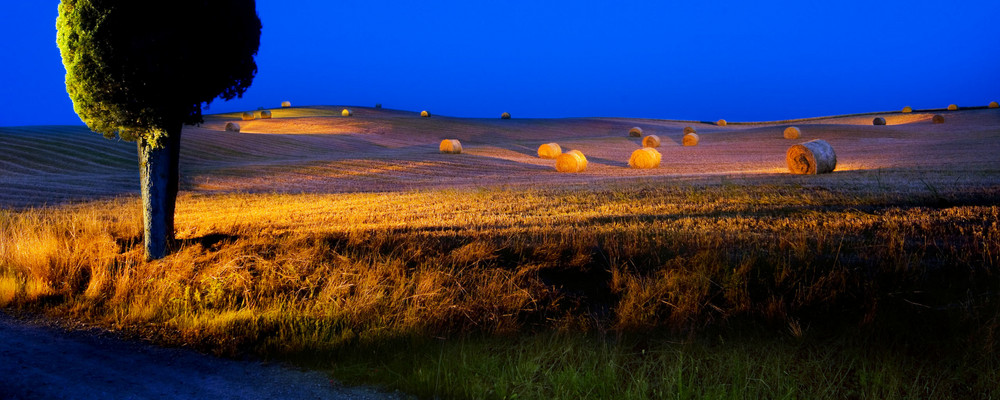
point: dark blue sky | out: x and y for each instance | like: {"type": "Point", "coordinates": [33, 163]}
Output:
{"type": "Point", "coordinates": [701, 60]}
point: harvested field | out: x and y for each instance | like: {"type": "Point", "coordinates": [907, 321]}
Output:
{"type": "Point", "coordinates": [280, 258]}
{"type": "Point", "coordinates": [314, 150]}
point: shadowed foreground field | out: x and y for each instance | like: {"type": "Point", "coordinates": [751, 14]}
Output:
{"type": "Point", "coordinates": [350, 244]}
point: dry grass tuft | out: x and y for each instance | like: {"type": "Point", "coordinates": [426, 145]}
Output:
{"type": "Point", "coordinates": [907, 109]}
{"type": "Point", "coordinates": [450, 146]}
{"type": "Point", "coordinates": [346, 113]}
{"type": "Point", "coordinates": [248, 116]}
{"type": "Point", "coordinates": [635, 132]}
{"type": "Point", "coordinates": [878, 121]}
{"type": "Point", "coordinates": [10, 288]}
{"type": "Point", "coordinates": [937, 119]}
{"type": "Point", "coordinates": [286, 104]}
{"type": "Point", "coordinates": [952, 107]}
{"type": "Point", "coordinates": [425, 114]}
{"type": "Point", "coordinates": [721, 122]}
{"type": "Point", "coordinates": [690, 139]}
{"type": "Point", "coordinates": [571, 161]}
{"type": "Point", "coordinates": [549, 150]}
{"type": "Point", "coordinates": [810, 158]}
{"type": "Point", "coordinates": [232, 127]}
{"type": "Point", "coordinates": [792, 132]}
{"type": "Point", "coordinates": [505, 115]}
{"type": "Point", "coordinates": [651, 141]}
{"type": "Point", "coordinates": [645, 158]}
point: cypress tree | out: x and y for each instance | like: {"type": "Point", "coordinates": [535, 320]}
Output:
{"type": "Point", "coordinates": [140, 71]}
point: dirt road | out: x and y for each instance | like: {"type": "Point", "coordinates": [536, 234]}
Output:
{"type": "Point", "coordinates": [45, 362]}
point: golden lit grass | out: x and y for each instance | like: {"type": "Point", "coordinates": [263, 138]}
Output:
{"type": "Point", "coordinates": [295, 274]}
{"type": "Point", "coordinates": [10, 286]}
{"type": "Point", "coordinates": [411, 258]}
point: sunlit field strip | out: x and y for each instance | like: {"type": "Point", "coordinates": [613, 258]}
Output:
{"type": "Point", "coordinates": [293, 274]}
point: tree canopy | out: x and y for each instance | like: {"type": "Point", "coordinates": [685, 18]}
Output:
{"type": "Point", "coordinates": [134, 68]}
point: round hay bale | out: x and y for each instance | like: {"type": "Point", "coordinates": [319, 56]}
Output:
{"type": "Point", "coordinates": [248, 116]}
{"type": "Point", "coordinates": [549, 150]}
{"type": "Point", "coordinates": [952, 107]}
{"type": "Point", "coordinates": [232, 127]}
{"type": "Point", "coordinates": [690, 139]}
{"type": "Point", "coordinates": [286, 104]}
{"type": "Point", "coordinates": [378, 105]}
{"type": "Point", "coordinates": [907, 109]}
{"type": "Point", "coordinates": [645, 158]}
{"type": "Point", "coordinates": [878, 121]}
{"type": "Point", "coordinates": [505, 115]}
{"type": "Point", "coordinates": [721, 122]}
{"type": "Point", "coordinates": [635, 131]}
{"type": "Point", "coordinates": [792, 132]}
{"type": "Point", "coordinates": [651, 141]}
{"type": "Point", "coordinates": [689, 129]}
{"type": "Point", "coordinates": [346, 113]}
{"type": "Point", "coordinates": [266, 114]}
{"type": "Point", "coordinates": [451, 146]}
{"type": "Point", "coordinates": [571, 161]}
{"type": "Point", "coordinates": [425, 114]}
{"type": "Point", "coordinates": [810, 158]}
{"type": "Point", "coordinates": [937, 119]}
{"type": "Point", "coordinates": [993, 104]}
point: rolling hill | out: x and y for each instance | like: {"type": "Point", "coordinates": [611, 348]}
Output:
{"type": "Point", "coordinates": [316, 150]}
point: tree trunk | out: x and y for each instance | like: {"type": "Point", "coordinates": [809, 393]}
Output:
{"type": "Point", "coordinates": [158, 164]}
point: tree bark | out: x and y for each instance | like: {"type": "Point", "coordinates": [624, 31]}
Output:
{"type": "Point", "coordinates": [158, 176]}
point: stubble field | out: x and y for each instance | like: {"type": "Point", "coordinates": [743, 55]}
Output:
{"type": "Point", "coordinates": [344, 242]}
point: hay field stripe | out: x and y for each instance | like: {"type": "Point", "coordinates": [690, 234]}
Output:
{"type": "Point", "coordinates": [67, 135]}
{"type": "Point", "coordinates": [55, 158]}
